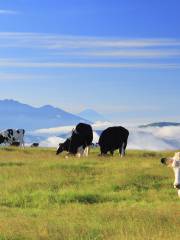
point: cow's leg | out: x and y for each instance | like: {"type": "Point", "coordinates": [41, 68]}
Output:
{"type": "Point", "coordinates": [80, 152]}
{"type": "Point", "coordinates": [86, 151]}
{"type": "Point", "coordinates": [111, 152]}
{"type": "Point", "coordinates": [22, 143]}
{"type": "Point", "coordinates": [103, 152]}
{"type": "Point", "coordinates": [122, 149]}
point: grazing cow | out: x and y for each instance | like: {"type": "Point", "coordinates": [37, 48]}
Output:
{"type": "Point", "coordinates": [78, 144]}
{"type": "Point", "coordinates": [113, 138]}
{"type": "Point", "coordinates": [15, 144]}
{"type": "Point", "coordinates": [174, 163]}
{"type": "Point", "coordinates": [35, 145]}
{"type": "Point", "coordinates": [13, 135]}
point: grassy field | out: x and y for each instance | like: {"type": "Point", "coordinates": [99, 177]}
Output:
{"type": "Point", "coordinates": [44, 196]}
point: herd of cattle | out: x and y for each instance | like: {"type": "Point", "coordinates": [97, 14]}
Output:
{"type": "Point", "coordinates": [81, 139]}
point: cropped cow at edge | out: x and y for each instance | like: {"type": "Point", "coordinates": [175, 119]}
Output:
{"type": "Point", "coordinates": [174, 163]}
{"type": "Point", "coordinates": [79, 142]}
{"type": "Point", "coordinates": [113, 138]}
{"type": "Point", "coordinates": [12, 136]}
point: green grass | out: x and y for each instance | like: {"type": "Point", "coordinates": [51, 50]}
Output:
{"type": "Point", "coordinates": [44, 196]}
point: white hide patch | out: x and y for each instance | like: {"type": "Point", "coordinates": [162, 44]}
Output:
{"type": "Point", "coordinates": [176, 156]}
{"type": "Point", "coordinates": [179, 193]}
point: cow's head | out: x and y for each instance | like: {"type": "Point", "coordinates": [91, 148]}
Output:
{"type": "Point", "coordinates": [174, 163]}
{"type": "Point", "coordinates": [63, 146]}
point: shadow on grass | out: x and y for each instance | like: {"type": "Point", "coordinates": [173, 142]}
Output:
{"type": "Point", "coordinates": [151, 154]}
{"type": "Point", "coordinates": [77, 169]}
{"type": "Point", "coordinates": [143, 183]}
{"type": "Point", "coordinates": [8, 149]}
{"type": "Point", "coordinates": [85, 198]}
{"type": "Point", "coordinates": [10, 164]}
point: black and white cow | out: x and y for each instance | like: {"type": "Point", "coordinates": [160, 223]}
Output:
{"type": "Point", "coordinates": [12, 136]}
{"type": "Point", "coordinates": [113, 138]}
{"type": "Point", "coordinates": [78, 144]}
{"type": "Point", "coordinates": [174, 163]}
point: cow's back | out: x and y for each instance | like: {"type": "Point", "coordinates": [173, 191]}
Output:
{"type": "Point", "coordinates": [113, 136]}
{"type": "Point", "coordinates": [86, 133]}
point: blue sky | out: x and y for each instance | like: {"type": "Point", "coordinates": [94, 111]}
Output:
{"type": "Point", "coordinates": [119, 57]}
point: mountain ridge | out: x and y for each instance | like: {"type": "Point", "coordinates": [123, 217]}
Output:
{"type": "Point", "coordinates": [91, 115]}
{"type": "Point", "coordinates": [15, 114]}
{"type": "Point", "coordinates": [160, 124]}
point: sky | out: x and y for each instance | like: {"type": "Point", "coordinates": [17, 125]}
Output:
{"type": "Point", "coordinates": [118, 57]}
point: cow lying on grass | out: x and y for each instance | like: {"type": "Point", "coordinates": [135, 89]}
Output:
{"type": "Point", "coordinates": [174, 163]}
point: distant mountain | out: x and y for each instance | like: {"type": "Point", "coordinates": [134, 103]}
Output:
{"type": "Point", "coordinates": [92, 115]}
{"type": "Point", "coordinates": [18, 115]}
{"type": "Point", "coordinates": [160, 124]}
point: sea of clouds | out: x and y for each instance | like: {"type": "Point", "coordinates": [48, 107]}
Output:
{"type": "Point", "coordinates": [149, 138]}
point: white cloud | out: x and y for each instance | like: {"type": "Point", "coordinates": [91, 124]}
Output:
{"type": "Point", "coordinates": [51, 142]}
{"type": "Point", "coordinates": [165, 138]}
{"type": "Point", "coordinates": [52, 131]}
{"type": "Point", "coordinates": [143, 140]}
{"type": "Point", "coordinates": [8, 12]}
{"type": "Point", "coordinates": [171, 132]}
{"type": "Point", "coordinates": [155, 138]}
{"type": "Point", "coordinates": [95, 137]}
{"type": "Point", "coordinates": [68, 129]}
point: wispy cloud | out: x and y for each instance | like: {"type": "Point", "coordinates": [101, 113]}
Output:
{"type": "Point", "coordinates": [59, 51]}
{"type": "Point", "coordinates": [8, 12]}
{"type": "Point", "coordinates": [50, 41]}
{"type": "Point", "coordinates": [21, 76]}
{"type": "Point", "coordinates": [29, 64]}
{"type": "Point", "coordinates": [129, 53]}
